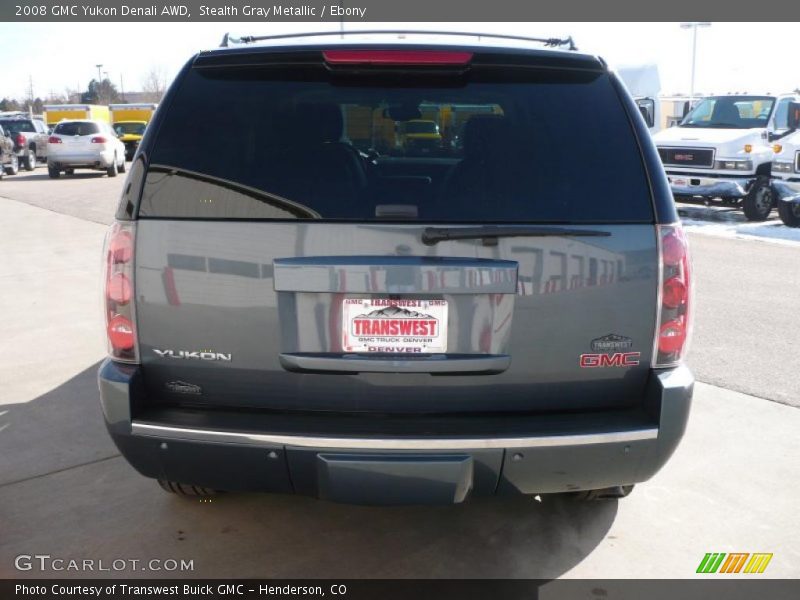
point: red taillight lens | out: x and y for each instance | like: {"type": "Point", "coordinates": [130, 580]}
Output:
{"type": "Point", "coordinates": [53, 140]}
{"type": "Point", "coordinates": [672, 336]}
{"type": "Point", "coordinates": [673, 248]}
{"type": "Point", "coordinates": [119, 288]}
{"type": "Point", "coordinates": [20, 140]}
{"type": "Point", "coordinates": [675, 292]}
{"type": "Point", "coordinates": [119, 293]}
{"type": "Point", "coordinates": [120, 247]}
{"type": "Point", "coordinates": [120, 333]}
{"type": "Point", "coordinates": [675, 281]}
{"type": "Point", "coordinates": [396, 57]}
{"type": "Point", "coordinates": [99, 140]}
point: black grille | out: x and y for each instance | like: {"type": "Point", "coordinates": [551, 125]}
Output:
{"type": "Point", "coordinates": [687, 157]}
{"type": "Point", "coordinates": [797, 161]}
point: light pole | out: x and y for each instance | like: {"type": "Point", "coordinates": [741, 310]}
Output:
{"type": "Point", "coordinates": [693, 25]}
{"type": "Point", "coordinates": [98, 82]}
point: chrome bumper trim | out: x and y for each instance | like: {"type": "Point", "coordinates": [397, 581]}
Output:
{"type": "Point", "coordinates": [268, 439]}
{"type": "Point", "coordinates": [787, 191]}
{"type": "Point", "coordinates": [712, 186]}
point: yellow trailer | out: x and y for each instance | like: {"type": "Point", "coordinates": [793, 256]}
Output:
{"type": "Point", "coordinates": [53, 113]}
{"type": "Point", "coordinates": [132, 112]}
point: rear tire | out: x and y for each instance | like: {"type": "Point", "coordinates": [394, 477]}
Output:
{"type": "Point", "coordinates": [122, 165]}
{"type": "Point", "coordinates": [186, 490]}
{"type": "Point", "coordinates": [112, 170]}
{"type": "Point", "coordinates": [758, 203]}
{"type": "Point", "coordinates": [619, 491]}
{"type": "Point", "coordinates": [13, 167]}
{"type": "Point", "coordinates": [789, 213]}
{"type": "Point", "coordinates": [53, 172]}
{"type": "Point", "coordinates": [30, 160]}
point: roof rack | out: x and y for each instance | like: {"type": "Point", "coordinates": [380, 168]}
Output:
{"type": "Point", "coordinates": [228, 39]}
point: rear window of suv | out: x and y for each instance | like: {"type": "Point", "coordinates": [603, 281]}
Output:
{"type": "Point", "coordinates": [78, 128]}
{"type": "Point", "coordinates": [546, 146]}
{"type": "Point", "coordinates": [17, 126]}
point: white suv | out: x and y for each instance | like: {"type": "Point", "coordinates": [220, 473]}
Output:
{"type": "Point", "coordinates": [84, 144]}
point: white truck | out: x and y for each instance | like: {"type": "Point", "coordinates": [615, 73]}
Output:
{"type": "Point", "coordinates": [786, 170]}
{"type": "Point", "coordinates": [644, 84]}
{"type": "Point", "coordinates": [723, 150]}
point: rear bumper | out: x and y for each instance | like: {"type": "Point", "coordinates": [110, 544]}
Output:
{"type": "Point", "coordinates": [90, 160]}
{"type": "Point", "coordinates": [709, 186]}
{"type": "Point", "coordinates": [566, 454]}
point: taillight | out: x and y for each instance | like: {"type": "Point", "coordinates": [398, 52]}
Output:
{"type": "Point", "coordinates": [20, 139]}
{"type": "Point", "coordinates": [396, 57]}
{"type": "Point", "coordinates": [675, 296]}
{"type": "Point", "coordinates": [53, 140]}
{"type": "Point", "coordinates": [118, 293]}
{"type": "Point", "coordinates": [99, 140]}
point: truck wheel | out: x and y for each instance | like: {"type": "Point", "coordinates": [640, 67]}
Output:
{"type": "Point", "coordinates": [29, 162]}
{"type": "Point", "coordinates": [789, 213]}
{"type": "Point", "coordinates": [112, 170]}
{"type": "Point", "coordinates": [53, 172]}
{"type": "Point", "coordinates": [617, 491]}
{"type": "Point", "coordinates": [186, 490]}
{"type": "Point", "coordinates": [13, 167]}
{"type": "Point", "coordinates": [758, 203]}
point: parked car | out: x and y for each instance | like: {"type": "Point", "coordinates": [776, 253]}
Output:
{"type": "Point", "coordinates": [130, 133]}
{"type": "Point", "coordinates": [722, 150]}
{"type": "Point", "coordinates": [786, 171]}
{"type": "Point", "coordinates": [29, 135]}
{"type": "Point", "coordinates": [9, 163]}
{"type": "Point", "coordinates": [84, 144]}
{"type": "Point", "coordinates": [285, 316]}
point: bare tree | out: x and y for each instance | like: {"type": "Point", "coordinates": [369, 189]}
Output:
{"type": "Point", "coordinates": [154, 84]}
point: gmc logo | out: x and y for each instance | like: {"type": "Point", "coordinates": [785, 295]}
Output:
{"type": "Point", "coordinates": [684, 157]}
{"type": "Point", "coordinates": [619, 359]}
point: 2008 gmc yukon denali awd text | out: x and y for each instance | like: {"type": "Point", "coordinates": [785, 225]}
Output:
{"type": "Point", "coordinates": [315, 307]}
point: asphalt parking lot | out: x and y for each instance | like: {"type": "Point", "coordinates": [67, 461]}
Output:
{"type": "Point", "coordinates": [64, 491]}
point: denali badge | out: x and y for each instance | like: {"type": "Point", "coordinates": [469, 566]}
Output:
{"type": "Point", "coordinates": [195, 354]}
{"type": "Point", "coordinates": [181, 387]}
{"type": "Point", "coordinates": [611, 343]}
{"type": "Point", "coordinates": [686, 157]}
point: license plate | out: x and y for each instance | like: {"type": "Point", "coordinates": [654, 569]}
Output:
{"type": "Point", "coordinates": [406, 326]}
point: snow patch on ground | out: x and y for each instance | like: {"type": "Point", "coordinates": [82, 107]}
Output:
{"type": "Point", "coordinates": [731, 223]}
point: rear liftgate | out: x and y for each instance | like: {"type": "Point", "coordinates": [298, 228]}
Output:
{"type": "Point", "coordinates": [391, 315]}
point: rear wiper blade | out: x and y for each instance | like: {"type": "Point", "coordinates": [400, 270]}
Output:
{"type": "Point", "coordinates": [434, 235]}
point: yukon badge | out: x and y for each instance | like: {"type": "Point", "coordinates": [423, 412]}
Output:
{"type": "Point", "coordinates": [194, 355]}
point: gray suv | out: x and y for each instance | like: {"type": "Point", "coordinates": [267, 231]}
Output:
{"type": "Point", "coordinates": [309, 308]}
{"type": "Point", "coordinates": [30, 137]}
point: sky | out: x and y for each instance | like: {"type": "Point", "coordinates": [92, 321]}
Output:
{"type": "Point", "coordinates": [731, 57]}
